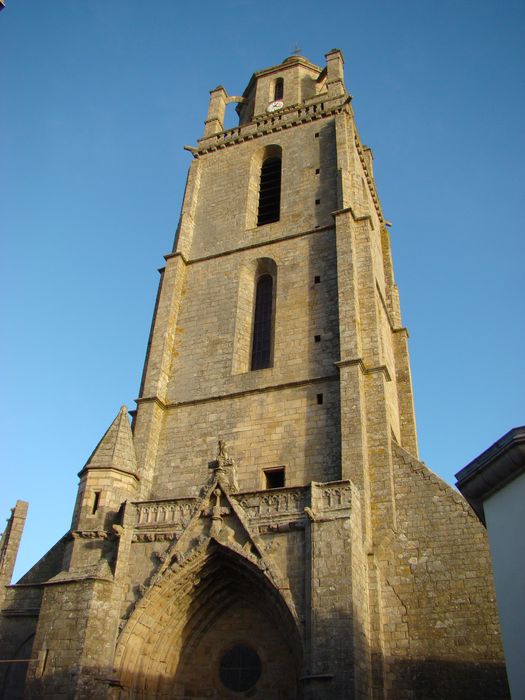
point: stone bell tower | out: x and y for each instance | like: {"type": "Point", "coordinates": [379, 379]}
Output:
{"type": "Point", "coordinates": [265, 529]}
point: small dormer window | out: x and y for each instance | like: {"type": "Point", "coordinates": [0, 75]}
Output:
{"type": "Point", "coordinates": [278, 90]}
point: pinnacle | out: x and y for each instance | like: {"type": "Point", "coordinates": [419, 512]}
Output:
{"type": "Point", "coordinates": [116, 449]}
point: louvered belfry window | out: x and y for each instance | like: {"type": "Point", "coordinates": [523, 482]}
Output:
{"type": "Point", "coordinates": [262, 323]}
{"type": "Point", "coordinates": [270, 192]}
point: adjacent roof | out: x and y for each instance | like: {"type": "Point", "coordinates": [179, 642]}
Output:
{"type": "Point", "coordinates": [493, 469]}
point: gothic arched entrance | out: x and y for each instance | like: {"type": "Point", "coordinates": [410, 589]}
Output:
{"type": "Point", "coordinates": [216, 628]}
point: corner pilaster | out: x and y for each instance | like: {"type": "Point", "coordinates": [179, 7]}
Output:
{"type": "Point", "coordinates": [336, 601]}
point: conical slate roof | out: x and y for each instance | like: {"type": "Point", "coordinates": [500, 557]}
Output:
{"type": "Point", "coordinates": [116, 449]}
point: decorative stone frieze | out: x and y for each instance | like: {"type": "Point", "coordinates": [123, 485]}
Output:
{"type": "Point", "coordinates": [263, 124]}
{"type": "Point", "coordinates": [263, 505]}
{"type": "Point", "coordinates": [90, 534]}
{"type": "Point", "coordinates": [160, 513]}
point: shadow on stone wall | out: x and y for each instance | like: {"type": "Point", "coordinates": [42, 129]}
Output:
{"type": "Point", "coordinates": [434, 679]}
{"type": "Point", "coordinates": [13, 676]}
{"type": "Point", "coordinates": [430, 679]}
{"type": "Point", "coordinates": [12, 687]}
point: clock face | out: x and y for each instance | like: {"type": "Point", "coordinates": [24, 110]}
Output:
{"type": "Point", "coordinates": [274, 106]}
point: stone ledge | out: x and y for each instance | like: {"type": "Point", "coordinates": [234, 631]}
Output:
{"type": "Point", "coordinates": [364, 369]}
{"type": "Point", "coordinates": [251, 246]}
{"type": "Point", "coordinates": [236, 394]}
{"type": "Point", "coordinates": [20, 612]}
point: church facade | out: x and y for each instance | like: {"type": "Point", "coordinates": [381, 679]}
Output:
{"type": "Point", "coordinates": [264, 528]}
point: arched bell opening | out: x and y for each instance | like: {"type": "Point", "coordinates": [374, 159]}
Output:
{"type": "Point", "coordinates": [265, 181]}
{"type": "Point", "coordinates": [218, 626]}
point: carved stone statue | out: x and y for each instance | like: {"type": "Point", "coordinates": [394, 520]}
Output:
{"type": "Point", "coordinates": [224, 468]}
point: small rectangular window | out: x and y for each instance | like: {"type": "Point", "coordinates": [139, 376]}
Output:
{"type": "Point", "coordinates": [274, 478]}
{"type": "Point", "coordinates": [317, 171]}
{"type": "Point", "coordinates": [317, 279]}
{"type": "Point", "coordinates": [317, 338]}
{"type": "Point", "coordinates": [317, 135]}
{"type": "Point", "coordinates": [319, 399]}
{"type": "Point", "coordinates": [318, 201]}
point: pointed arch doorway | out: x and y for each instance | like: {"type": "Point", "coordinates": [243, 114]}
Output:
{"type": "Point", "coordinates": [216, 628]}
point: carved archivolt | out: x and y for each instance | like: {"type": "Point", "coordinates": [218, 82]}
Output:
{"type": "Point", "coordinates": [196, 588]}
{"type": "Point", "coordinates": [214, 558]}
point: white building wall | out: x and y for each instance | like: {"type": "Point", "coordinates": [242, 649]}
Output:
{"type": "Point", "coordinates": [505, 518]}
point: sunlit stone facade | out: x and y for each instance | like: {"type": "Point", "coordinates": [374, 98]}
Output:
{"type": "Point", "coordinates": [267, 533]}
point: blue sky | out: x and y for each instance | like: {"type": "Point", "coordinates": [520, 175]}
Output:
{"type": "Point", "coordinates": [98, 99]}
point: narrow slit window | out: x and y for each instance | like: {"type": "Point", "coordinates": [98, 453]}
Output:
{"type": "Point", "coordinates": [43, 657]}
{"type": "Point", "coordinates": [317, 338]}
{"type": "Point", "coordinates": [262, 323]}
{"type": "Point", "coordinates": [44, 661]}
{"type": "Point", "coordinates": [96, 502]}
{"type": "Point", "coordinates": [319, 399]}
{"type": "Point", "coordinates": [279, 89]}
{"type": "Point", "coordinates": [270, 192]}
{"type": "Point", "coordinates": [274, 478]}
{"type": "Point", "coordinates": [317, 279]}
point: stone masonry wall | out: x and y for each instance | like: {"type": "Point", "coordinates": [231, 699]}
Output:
{"type": "Point", "coordinates": [282, 428]}
{"type": "Point", "coordinates": [74, 641]}
{"type": "Point", "coordinates": [203, 361]}
{"type": "Point", "coordinates": [440, 630]}
{"type": "Point", "coordinates": [220, 215]}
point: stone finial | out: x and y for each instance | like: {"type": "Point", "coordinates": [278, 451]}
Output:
{"type": "Point", "coordinates": [335, 73]}
{"type": "Point", "coordinates": [9, 544]}
{"type": "Point", "coordinates": [215, 120]}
